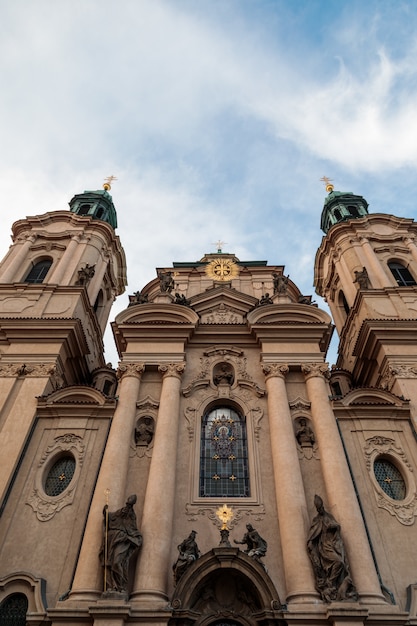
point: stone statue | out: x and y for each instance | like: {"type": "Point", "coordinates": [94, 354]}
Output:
{"type": "Point", "coordinates": [304, 434]}
{"type": "Point", "coordinates": [121, 539]}
{"type": "Point", "coordinates": [223, 374]}
{"type": "Point", "coordinates": [181, 299]}
{"type": "Point", "coordinates": [138, 298]}
{"type": "Point", "coordinates": [255, 546]}
{"type": "Point", "coordinates": [144, 431]}
{"type": "Point", "coordinates": [266, 299]}
{"type": "Point", "coordinates": [85, 274]}
{"type": "Point", "coordinates": [327, 554]}
{"type": "Point", "coordinates": [280, 283]}
{"type": "Point", "coordinates": [362, 278]}
{"type": "Point", "coordinates": [188, 553]}
{"type": "Point", "coordinates": [166, 281]}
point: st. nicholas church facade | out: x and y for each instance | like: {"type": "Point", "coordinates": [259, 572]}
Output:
{"type": "Point", "coordinates": [223, 474]}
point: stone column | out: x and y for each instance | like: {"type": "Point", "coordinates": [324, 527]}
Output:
{"type": "Point", "coordinates": [59, 271]}
{"type": "Point", "coordinates": [378, 277]}
{"type": "Point", "coordinates": [157, 519]}
{"type": "Point", "coordinates": [8, 275]}
{"type": "Point", "coordinates": [289, 489]}
{"type": "Point", "coordinates": [342, 501]}
{"type": "Point", "coordinates": [88, 580]}
{"type": "Point", "coordinates": [346, 280]}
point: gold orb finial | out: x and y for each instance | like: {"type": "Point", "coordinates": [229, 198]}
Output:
{"type": "Point", "coordinates": [327, 183]}
{"type": "Point", "coordinates": [107, 182]}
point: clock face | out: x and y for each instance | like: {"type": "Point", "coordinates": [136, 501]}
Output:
{"type": "Point", "coordinates": [222, 269]}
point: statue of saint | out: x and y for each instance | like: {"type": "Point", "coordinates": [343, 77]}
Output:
{"type": "Point", "coordinates": [166, 281]}
{"type": "Point", "coordinates": [188, 553]}
{"type": "Point", "coordinates": [256, 546]}
{"type": "Point", "coordinates": [121, 539]}
{"type": "Point", "coordinates": [304, 434]}
{"type": "Point", "coordinates": [362, 278]}
{"type": "Point", "coordinates": [327, 554]}
{"type": "Point", "coordinates": [144, 431]}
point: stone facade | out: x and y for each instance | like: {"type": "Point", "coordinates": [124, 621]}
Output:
{"type": "Point", "coordinates": [223, 419]}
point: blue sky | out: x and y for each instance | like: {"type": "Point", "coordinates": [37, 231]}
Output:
{"type": "Point", "coordinates": [218, 117]}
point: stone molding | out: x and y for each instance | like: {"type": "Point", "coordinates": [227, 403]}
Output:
{"type": "Point", "coordinates": [222, 314]}
{"type": "Point", "coordinates": [275, 370]}
{"type": "Point", "coordinates": [130, 369]}
{"type": "Point", "coordinates": [33, 370]}
{"type": "Point", "coordinates": [174, 370]}
{"type": "Point", "coordinates": [315, 370]}
{"type": "Point", "coordinates": [253, 512]}
{"type": "Point", "coordinates": [46, 506]}
{"type": "Point", "coordinates": [404, 510]}
{"type": "Point", "coordinates": [397, 370]}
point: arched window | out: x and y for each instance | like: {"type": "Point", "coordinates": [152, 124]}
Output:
{"type": "Point", "coordinates": [389, 479]}
{"type": "Point", "coordinates": [38, 272]}
{"type": "Point", "coordinates": [84, 209]}
{"type": "Point", "coordinates": [337, 214]}
{"type": "Point", "coordinates": [224, 455]}
{"type": "Point", "coordinates": [401, 274]}
{"type": "Point", "coordinates": [13, 610]}
{"type": "Point", "coordinates": [60, 475]}
{"type": "Point", "coordinates": [353, 210]}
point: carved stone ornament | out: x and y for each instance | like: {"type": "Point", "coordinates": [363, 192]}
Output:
{"type": "Point", "coordinates": [404, 510]}
{"type": "Point", "coordinates": [130, 369]}
{"type": "Point", "coordinates": [32, 370]}
{"type": "Point", "coordinates": [221, 357]}
{"type": "Point", "coordinates": [397, 370]}
{"type": "Point", "coordinates": [306, 441]}
{"type": "Point", "coordinates": [273, 370]}
{"type": "Point", "coordinates": [46, 506]}
{"type": "Point", "coordinates": [175, 370]}
{"type": "Point", "coordinates": [222, 314]}
{"type": "Point", "coordinates": [311, 370]}
{"type": "Point", "coordinates": [256, 513]}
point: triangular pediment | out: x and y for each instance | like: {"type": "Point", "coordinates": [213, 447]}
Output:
{"type": "Point", "coordinates": [223, 305]}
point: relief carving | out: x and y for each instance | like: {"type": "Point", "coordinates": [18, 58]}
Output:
{"type": "Point", "coordinates": [255, 512]}
{"type": "Point", "coordinates": [404, 510]}
{"type": "Point", "coordinates": [46, 506]}
{"type": "Point", "coordinates": [397, 370]}
{"type": "Point", "coordinates": [222, 314]}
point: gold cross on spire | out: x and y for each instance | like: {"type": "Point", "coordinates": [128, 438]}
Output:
{"type": "Point", "coordinates": [327, 184]}
{"type": "Point", "coordinates": [108, 181]}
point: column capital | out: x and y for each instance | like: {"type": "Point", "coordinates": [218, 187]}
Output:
{"type": "Point", "coordinates": [277, 370]}
{"type": "Point", "coordinates": [311, 370]}
{"type": "Point", "coordinates": [130, 369]}
{"type": "Point", "coordinates": [172, 369]}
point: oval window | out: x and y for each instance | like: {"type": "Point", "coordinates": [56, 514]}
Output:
{"type": "Point", "coordinates": [389, 479]}
{"type": "Point", "coordinates": [60, 475]}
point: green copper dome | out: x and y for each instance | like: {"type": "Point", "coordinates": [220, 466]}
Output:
{"type": "Point", "coordinates": [96, 204]}
{"type": "Point", "coordinates": [340, 206]}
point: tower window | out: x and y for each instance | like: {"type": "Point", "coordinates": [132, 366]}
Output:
{"type": "Point", "coordinates": [224, 455]}
{"type": "Point", "coordinates": [353, 210]}
{"type": "Point", "coordinates": [13, 610]}
{"type": "Point", "coordinates": [337, 214]}
{"type": "Point", "coordinates": [84, 209]}
{"type": "Point", "coordinates": [389, 479]}
{"type": "Point", "coordinates": [401, 274]}
{"type": "Point", "coordinates": [60, 475]}
{"type": "Point", "coordinates": [38, 272]}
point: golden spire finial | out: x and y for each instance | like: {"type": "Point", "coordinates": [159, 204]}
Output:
{"type": "Point", "coordinates": [224, 513]}
{"type": "Point", "coordinates": [107, 182]}
{"type": "Point", "coordinates": [327, 184]}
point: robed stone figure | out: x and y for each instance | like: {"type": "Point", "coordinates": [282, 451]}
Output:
{"type": "Point", "coordinates": [121, 539]}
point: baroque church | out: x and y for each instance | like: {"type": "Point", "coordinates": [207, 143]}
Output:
{"type": "Point", "coordinates": [223, 475]}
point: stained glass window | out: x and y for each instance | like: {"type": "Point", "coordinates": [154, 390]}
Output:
{"type": "Point", "coordinates": [389, 479]}
{"type": "Point", "coordinates": [13, 610]}
{"type": "Point", "coordinates": [224, 455]}
{"type": "Point", "coordinates": [60, 475]}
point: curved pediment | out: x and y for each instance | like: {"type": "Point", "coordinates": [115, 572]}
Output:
{"type": "Point", "coordinates": [288, 313]}
{"type": "Point", "coordinates": [371, 395]}
{"type": "Point", "coordinates": [77, 394]}
{"type": "Point", "coordinates": [157, 313]}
